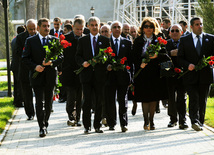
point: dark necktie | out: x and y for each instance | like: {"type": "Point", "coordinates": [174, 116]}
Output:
{"type": "Point", "coordinates": [116, 46]}
{"type": "Point", "coordinates": [43, 41]}
{"type": "Point", "coordinates": [94, 44]}
{"type": "Point", "coordinates": [198, 45]}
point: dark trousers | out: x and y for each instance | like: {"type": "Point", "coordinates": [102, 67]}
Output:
{"type": "Point", "coordinates": [27, 93]}
{"type": "Point", "coordinates": [121, 91]}
{"type": "Point", "coordinates": [74, 97]}
{"type": "Point", "coordinates": [44, 98]}
{"type": "Point", "coordinates": [87, 103]}
{"type": "Point", "coordinates": [198, 94]}
{"type": "Point", "coordinates": [177, 100]}
{"type": "Point", "coordinates": [17, 93]}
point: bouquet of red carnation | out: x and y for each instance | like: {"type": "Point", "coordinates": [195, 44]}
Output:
{"type": "Point", "coordinates": [201, 64]}
{"type": "Point", "coordinates": [151, 51]}
{"type": "Point", "coordinates": [118, 64]}
{"type": "Point", "coordinates": [54, 49]}
{"type": "Point", "coordinates": [100, 58]}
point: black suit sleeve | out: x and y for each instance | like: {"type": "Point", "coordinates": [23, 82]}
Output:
{"type": "Point", "coordinates": [79, 53]}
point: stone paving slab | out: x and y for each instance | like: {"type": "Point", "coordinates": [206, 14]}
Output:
{"type": "Point", "coordinates": [23, 137]}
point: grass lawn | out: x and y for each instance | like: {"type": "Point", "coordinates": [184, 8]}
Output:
{"type": "Point", "coordinates": [209, 115]}
{"type": "Point", "coordinates": [3, 68]}
{"type": "Point", "coordinates": [6, 111]}
{"type": "Point", "coordinates": [5, 73]}
{"type": "Point", "coordinates": [3, 60]}
{"type": "Point", "coordinates": [3, 86]}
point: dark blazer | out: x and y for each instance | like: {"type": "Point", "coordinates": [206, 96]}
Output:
{"type": "Point", "coordinates": [15, 58]}
{"type": "Point", "coordinates": [84, 53]}
{"type": "Point", "coordinates": [52, 32]}
{"type": "Point", "coordinates": [171, 46]}
{"type": "Point", "coordinates": [33, 55]}
{"type": "Point", "coordinates": [129, 37]}
{"type": "Point", "coordinates": [69, 65]}
{"type": "Point", "coordinates": [121, 77]}
{"type": "Point", "coordinates": [187, 54]}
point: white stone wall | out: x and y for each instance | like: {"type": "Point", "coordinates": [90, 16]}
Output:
{"type": "Point", "coordinates": [104, 9]}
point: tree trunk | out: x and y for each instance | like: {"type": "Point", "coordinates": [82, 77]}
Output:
{"type": "Point", "coordinates": [30, 9]}
{"type": "Point", "coordinates": [47, 8]}
{"type": "Point", "coordinates": [39, 9]}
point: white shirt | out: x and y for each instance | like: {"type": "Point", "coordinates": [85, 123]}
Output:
{"type": "Point", "coordinates": [40, 37]}
{"type": "Point", "coordinates": [195, 39]}
{"type": "Point", "coordinates": [118, 41]}
{"type": "Point", "coordinates": [92, 38]}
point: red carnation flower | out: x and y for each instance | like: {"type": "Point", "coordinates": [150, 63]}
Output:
{"type": "Point", "coordinates": [62, 37]}
{"type": "Point", "coordinates": [56, 34]}
{"type": "Point", "coordinates": [211, 62]}
{"type": "Point", "coordinates": [159, 39]}
{"type": "Point", "coordinates": [106, 51]}
{"type": "Point", "coordinates": [127, 67]}
{"type": "Point", "coordinates": [177, 70]}
{"type": "Point", "coordinates": [109, 49]}
{"type": "Point", "coordinates": [212, 58]}
{"type": "Point", "coordinates": [122, 61]}
{"type": "Point", "coordinates": [113, 54]}
{"type": "Point", "coordinates": [54, 98]}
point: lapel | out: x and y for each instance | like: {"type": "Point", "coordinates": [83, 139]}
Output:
{"type": "Point", "coordinates": [203, 44]}
{"type": "Point", "coordinates": [113, 47]}
{"type": "Point", "coordinates": [38, 42]}
{"type": "Point", "coordinates": [192, 45]}
{"type": "Point", "coordinates": [122, 45]}
{"type": "Point", "coordinates": [99, 42]}
{"type": "Point", "coordinates": [89, 45]}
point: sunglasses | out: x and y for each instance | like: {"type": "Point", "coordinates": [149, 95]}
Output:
{"type": "Point", "coordinates": [148, 26]}
{"type": "Point", "coordinates": [104, 31]}
{"type": "Point", "coordinates": [114, 27]}
{"type": "Point", "coordinates": [175, 31]}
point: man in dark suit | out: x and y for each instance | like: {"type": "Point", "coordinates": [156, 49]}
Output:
{"type": "Point", "coordinates": [191, 50]}
{"type": "Point", "coordinates": [118, 80]}
{"type": "Point", "coordinates": [17, 93]}
{"type": "Point", "coordinates": [176, 91]}
{"type": "Point", "coordinates": [43, 85]}
{"type": "Point", "coordinates": [126, 32]}
{"type": "Point", "coordinates": [92, 78]}
{"type": "Point", "coordinates": [27, 91]}
{"type": "Point", "coordinates": [69, 79]}
{"type": "Point", "coordinates": [183, 24]}
{"type": "Point", "coordinates": [166, 27]}
{"type": "Point", "coordinates": [57, 27]}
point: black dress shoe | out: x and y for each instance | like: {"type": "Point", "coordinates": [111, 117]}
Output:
{"type": "Point", "coordinates": [30, 118]}
{"type": "Point", "coordinates": [152, 127]}
{"type": "Point", "coordinates": [124, 128]}
{"type": "Point", "coordinates": [42, 132]}
{"type": "Point", "coordinates": [134, 108]}
{"type": "Point", "coordinates": [197, 127]}
{"type": "Point", "coordinates": [183, 125]}
{"type": "Point", "coordinates": [111, 128]}
{"type": "Point", "coordinates": [78, 124]}
{"type": "Point", "coordinates": [172, 124]}
{"type": "Point", "coordinates": [71, 122]}
{"type": "Point", "coordinates": [86, 131]}
{"type": "Point", "coordinates": [98, 130]}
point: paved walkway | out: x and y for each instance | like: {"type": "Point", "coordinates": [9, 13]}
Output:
{"type": "Point", "coordinates": [23, 137]}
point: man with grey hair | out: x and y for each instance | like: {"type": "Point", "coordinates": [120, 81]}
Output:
{"type": "Point", "coordinates": [23, 70]}
{"type": "Point", "coordinates": [92, 77]}
{"type": "Point", "coordinates": [86, 30]}
{"type": "Point", "coordinates": [134, 31]}
{"type": "Point", "coordinates": [105, 31]}
{"type": "Point", "coordinates": [118, 81]}
{"type": "Point", "coordinates": [177, 95]}
{"type": "Point", "coordinates": [126, 31]}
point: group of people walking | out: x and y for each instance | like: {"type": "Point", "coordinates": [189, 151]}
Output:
{"type": "Point", "coordinates": [99, 87]}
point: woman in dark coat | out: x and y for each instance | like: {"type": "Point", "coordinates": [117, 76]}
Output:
{"type": "Point", "coordinates": [149, 87]}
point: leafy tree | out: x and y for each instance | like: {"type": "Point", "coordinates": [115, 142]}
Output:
{"type": "Point", "coordinates": [2, 33]}
{"type": "Point", "coordinates": [206, 11]}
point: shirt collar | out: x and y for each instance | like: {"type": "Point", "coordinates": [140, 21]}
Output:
{"type": "Point", "coordinates": [194, 35]}
{"type": "Point", "coordinates": [92, 36]}
{"type": "Point", "coordinates": [40, 36]}
{"type": "Point", "coordinates": [58, 30]}
{"type": "Point", "coordinates": [116, 38]}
